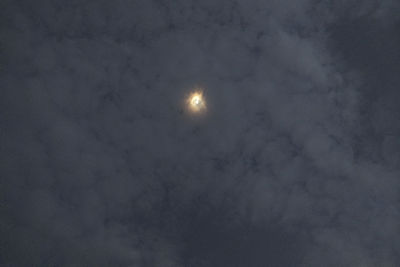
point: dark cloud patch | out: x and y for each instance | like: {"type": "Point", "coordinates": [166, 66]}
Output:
{"type": "Point", "coordinates": [211, 243]}
{"type": "Point", "coordinates": [370, 46]}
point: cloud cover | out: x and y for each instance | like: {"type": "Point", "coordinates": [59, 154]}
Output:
{"type": "Point", "coordinates": [102, 166]}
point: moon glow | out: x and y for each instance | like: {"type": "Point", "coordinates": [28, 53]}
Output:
{"type": "Point", "coordinates": [196, 102]}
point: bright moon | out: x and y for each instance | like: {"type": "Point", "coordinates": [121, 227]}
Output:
{"type": "Point", "coordinates": [196, 102]}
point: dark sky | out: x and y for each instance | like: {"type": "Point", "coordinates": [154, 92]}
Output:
{"type": "Point", "coordinates": [295, 163]}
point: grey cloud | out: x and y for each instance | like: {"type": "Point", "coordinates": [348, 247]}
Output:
{"type": "Point", "coordinates": [103, 165]}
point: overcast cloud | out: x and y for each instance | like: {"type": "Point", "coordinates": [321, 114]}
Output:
{"type": "Point", "coordinates": [295, 162]}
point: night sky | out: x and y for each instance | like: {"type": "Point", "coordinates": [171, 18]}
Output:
{"type": "Point", "coordinates": [294, 162]}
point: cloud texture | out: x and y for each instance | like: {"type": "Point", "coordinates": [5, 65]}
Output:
{"type": "Point", "coordinates": [294, 164]}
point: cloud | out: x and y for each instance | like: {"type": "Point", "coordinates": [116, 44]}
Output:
{"type": "Point", "coordinates": [103, 166]}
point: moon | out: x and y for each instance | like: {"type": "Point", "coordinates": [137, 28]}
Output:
{"type": "Point", "coordinates": [196, 102]}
